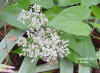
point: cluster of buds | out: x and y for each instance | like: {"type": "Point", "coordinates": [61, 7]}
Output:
{"type": "Point", "coordinates": [42, 42]}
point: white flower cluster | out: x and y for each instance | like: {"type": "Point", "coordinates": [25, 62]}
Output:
{"type": "Point", "coordinates": [34, 16]}
{"type": "Point", "coordinates": [42, 42]}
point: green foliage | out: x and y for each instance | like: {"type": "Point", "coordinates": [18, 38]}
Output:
{"type": "Point", "coordinates": [27, 66]}
{"type": "Point", "coordinates": [53, 12]}
{"type": "Point", "coordinates": [73, 2]}
{"type": "Point", "coordinates": [72, 19]}
{"type": "Point", "coordinates": [68, 2]}
{"type": "Point", "coordinates": [79, 44]}
{"type": "Point", "coordinates": [98, 55]}
{"type": "Point", "coordinates": [96, 11]}
{"type": "Point", "coordinates": [90, 2]}
{"type": "Point", "coordinates": [17, 51]}
{"type": "Point", "coordinates": [46, 67]}
{"type": "Point", "coordinates": [83, 69]}
{"type": "Point", "coordinates": [44, 3]}
{"type": "Point", "coordinates": [96, 25]}
{"type": "Point", "coordinates": [73, 56]}
{"type": "Point", "coordinates": [24, 4]}
{"type": "Point", "coordinates": [66, 66]}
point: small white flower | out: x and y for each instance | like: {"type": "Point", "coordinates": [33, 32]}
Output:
{"type": "Point", "coordinates": [36, 7]}
{"type": "Point", "coordinates": [22, 41]}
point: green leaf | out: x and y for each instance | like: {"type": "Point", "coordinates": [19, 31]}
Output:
{"type": "Point", "coordinates": [24, 4]}
{"type": "Point", "coordinates": [27, 66]}
{"type": "Point", "coordinates": [10, 16]}
{"type": "Point", "coordinates": [98, 54]}
{"type": "Point", "coordinates": [44, 3]}
{"type": "Point", "coordinates": [71, 19]}
{"type": "Point", "coordinates": [66, 66]}
{"type": "Point", "coordinates": [83, 69]}
{"type": "Point", "coordinates": [76, 13]}
{"type": "Point", "coordinates": [73, 56]}
{"type": "Point", "coordinates": [96, 25]}
{"type": "Point", "coordinates": [96, 11]}
{"type": "Point", "coordinates": [51, 13]}
{"type": "Point", "coordinates": [46, 67]}
{"type": "Point", "coordinates": [83, 47]}
{"type": "Point", "coordinates": [90, 2]}
{"type": "Point", "coordinates": [68, 2]}
{"type": "Point", "coordinates": [72, 27]}
{"type": "Point", "coordinates": [11, 38]}
{"type": "Point", "coordinates": [17, 50]}
{"type": "Point", "coordinates": [43, 67]}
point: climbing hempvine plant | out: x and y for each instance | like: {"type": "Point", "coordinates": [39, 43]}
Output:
{"type": "Point", "coordinates": [65, 28]}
